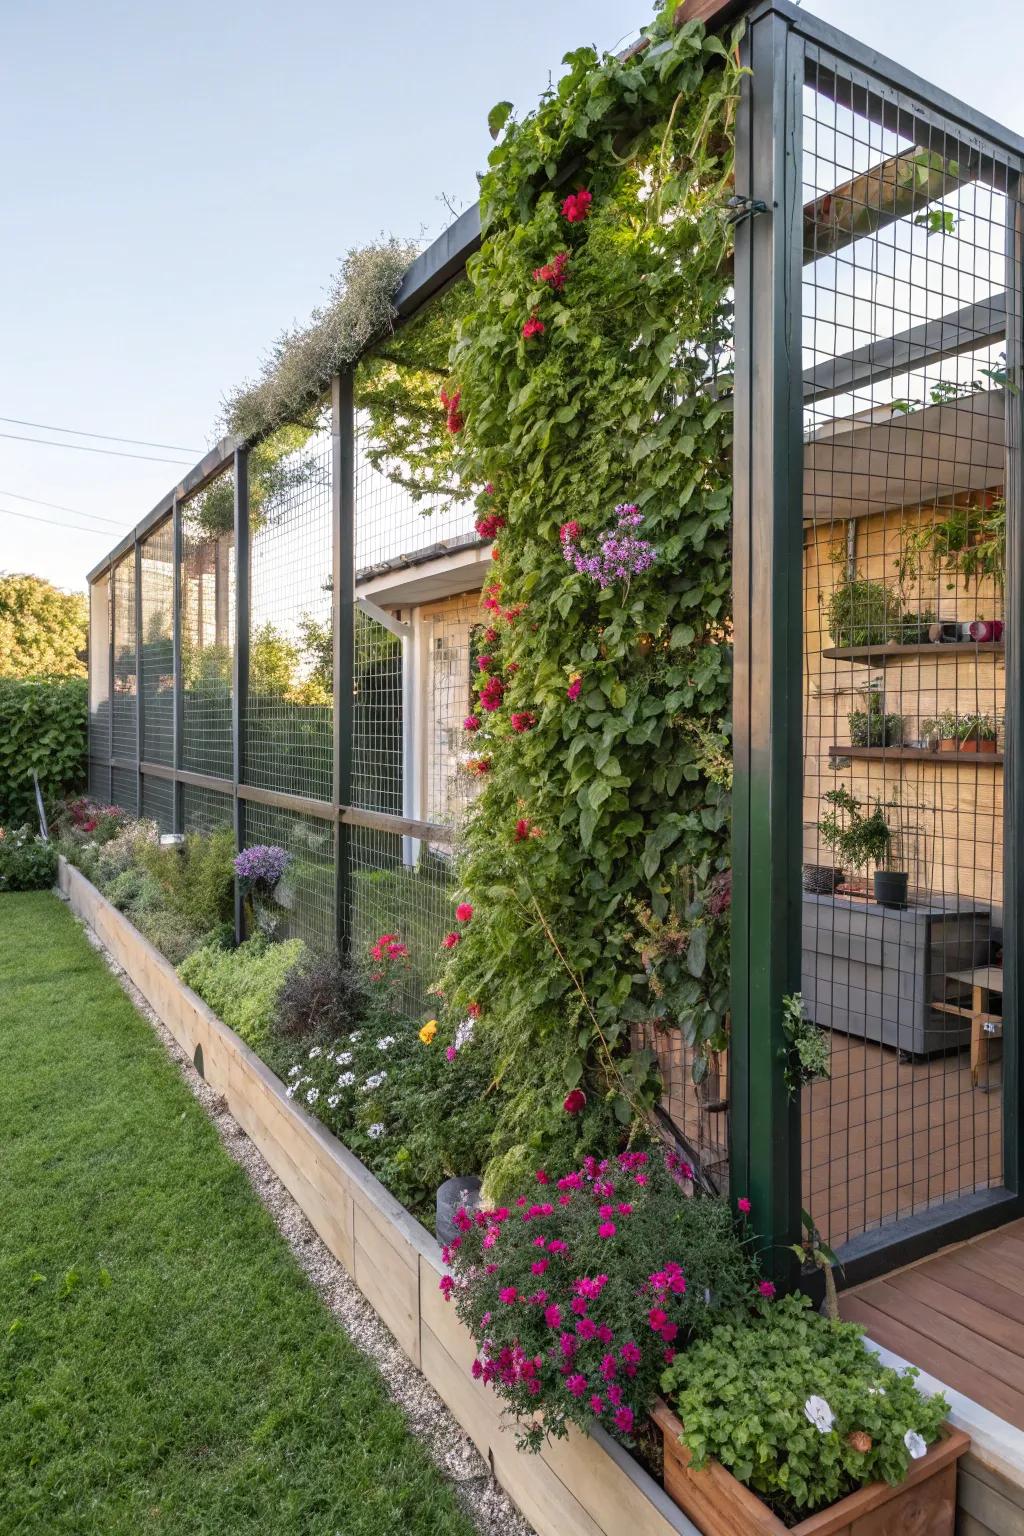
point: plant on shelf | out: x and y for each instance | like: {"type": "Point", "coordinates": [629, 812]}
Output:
{"type": "Point", "coordinates": [807, 1053]}
{"type": "Point", "coordinates": [872, 727]}
{"type": "Point", "coordinates": [954, 732]}
{"type": "Point", "coordinates": [861, 612]}
{"type": "Point", "coordinates": [968, 545]}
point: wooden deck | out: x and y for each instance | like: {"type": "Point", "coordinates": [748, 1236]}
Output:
{"type": "Point", "coordinates": [958, 1315]}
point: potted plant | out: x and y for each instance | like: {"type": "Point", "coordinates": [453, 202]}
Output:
{"type": "Point", "coordinates": [872, 727]}
{"type": "Point", "coordinates": [259, 871]}
{"type": "Point", "coordinates": [961, 733]}
{"type": "Point", "coordinates": [790, 1423]}
{"type": "Point", "coordinates": [865, 612]}
{"type": "Point", "coordinates": [861, 840]}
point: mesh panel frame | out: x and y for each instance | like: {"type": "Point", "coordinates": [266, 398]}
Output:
{"type": "Point", "coordinates": [156, 664]}
{"type": "Point", "coordinates": [309, 885]}
{"type": "Point", "coordinates": [124, 742]}
{"type": "Point", "coordinates": [208, 628]}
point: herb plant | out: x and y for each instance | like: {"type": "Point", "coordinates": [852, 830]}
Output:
{"type": "Point", "coordinates": [807, 1053]}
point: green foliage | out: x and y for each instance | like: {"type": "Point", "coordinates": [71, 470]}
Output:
{"type": "Point", "coordinates": [603, 798]}
{"type": "Point", "coordinates": [807, 1053]}
{"type": "Point", "coordinates": [858, 840]}
{"type": "Point", "coordinates": [26, 862]}
{"type": "Point", "coordinates": [198, 880]}
{"type": "Point", "coordinates": [864, 612]}
{"type": "Point", "coordinates": [968, 544]}
{"type": "Point", "coordinates": [43, 726]}
{"type": "Point", "coordinates": [242, 985]}
{"type": "Point", "coordinates": [741, 1396]}
{"type": "Point", "coordinates": [43, 630]}
{"type": "Point", "coordinates": [322, 998]}
{"type": "Point", "coordinates": [950, 726]}
{"type": "Point", "coordinates": [872, 727]}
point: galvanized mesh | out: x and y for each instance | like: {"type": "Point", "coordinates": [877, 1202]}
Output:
{"type": "Point", "coordinates": [289, 716]}
{"type": "Point", "coordinates": [124, 741]}
{"type": "Point", "coordinates": [307, 891]}
{"type": "Point", "coordinates": [124, 789]}
{"type": "Point", "coordinates": [208, 627]}
{"type": "Point", "coordinates": [203, 810]}
{"type": "Point", "coordinates": [904, 321]}
{"type": "Point", "coordinates": [99, 689]}
{"type": "Point", "coordinates": [376, 716]}
{"type": "Point", "coordinates": [411, 900]}
{"type": "Point", "coordinates": [158, 801]}
{"type": "Point", "coordinates": [452, 642]}
{"type": "Point", "coordinates": [156, 668]}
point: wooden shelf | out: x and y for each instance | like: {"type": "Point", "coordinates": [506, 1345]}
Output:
{"type": "Point", "coordinates": [919, 754]}
{"type": "Point", "coordinates": [876, 655]}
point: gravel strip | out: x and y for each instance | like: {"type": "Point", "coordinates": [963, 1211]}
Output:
{"type": "Point", "coordinates": [490, 1509]}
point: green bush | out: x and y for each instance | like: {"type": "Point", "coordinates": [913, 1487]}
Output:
{"type": "Point", "coordinates": [777, 1401]}
{"type": "Point", "coordinates": [865, 612]}
{"type": "Point", "coordinates": [43, 726]}
{"type": "Point", "coordinates": [173, 935]}
{"type": "Point", "coordinates": [242, 985]}
{"type": "Point", "coordinates": [26, 862]}
{"type": "Point", "coordinates": [198, 880]}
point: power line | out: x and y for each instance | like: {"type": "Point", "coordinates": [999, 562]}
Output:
{"type": "Point", "coordinates": [107, 437]}
{"type": "Point", "coordinates": [57, 506]}
{"type": "Point", "coordinates": [41, 442]}
{"type": "Point", "coordinates": [31, 517]}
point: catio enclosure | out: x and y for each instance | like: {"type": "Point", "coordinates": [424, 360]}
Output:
{"type": "Point", "coordinates": [286, 643]}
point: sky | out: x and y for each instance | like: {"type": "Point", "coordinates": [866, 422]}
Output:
{"type": "Point", "coordinates": [181, 181]}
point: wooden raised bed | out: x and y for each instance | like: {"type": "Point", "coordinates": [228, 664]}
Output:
{"type": "Point", "coordinates": [924, 1504]}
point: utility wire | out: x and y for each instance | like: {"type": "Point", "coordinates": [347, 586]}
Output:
{"type": "Point", "coordinates": [57, 506]}
{"type": "Point", "coordinates": [107, 437]}
{"type": "Point", "coordinates": [54, 522]}
{"type": "Point", "coordinates": [42, 442]}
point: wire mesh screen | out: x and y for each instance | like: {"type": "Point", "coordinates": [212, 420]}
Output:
{"type": "Point", "coordinates": [307, 892]}
{"type": "Point", "coordinates": [124, 789]}
{"type": "Point", "coordinates": [376, 716]}
{"type": "Point", "coordinates": [99, 689]}
{"type": "Point", "coordinates": [123, 737]}
{"type": "Point", "coordinates": [905, 397]}
{"type": "Point", "coordinates": [158, 801]}
{"type": "Point", "coordinates": [208, 627]}
{"type": "Point", "coordinates": [452, 640]}
{"type": "Point", "coordinates": [156, 664]}
{"type": "Point", "coordinates": [204, 810]}
{"type": "Point", "coordinates": [289, 717]}
{"type": "Point", "coordinates": [413, 901]}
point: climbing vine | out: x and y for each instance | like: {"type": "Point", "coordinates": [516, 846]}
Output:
{"type": "Point", "coordinates": [583, 402]}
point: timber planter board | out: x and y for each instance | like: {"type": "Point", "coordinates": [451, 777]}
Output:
{"type": "Point", "coordinates": [574, 1487]}
{"type": "Point", "coordinates": [924, 1504]}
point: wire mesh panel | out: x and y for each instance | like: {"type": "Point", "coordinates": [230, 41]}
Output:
{"type": "Point", "coordinates": [905, 398]}
{"type": "Point", "coordinates": [208, 626]}
{"type": "Point", "coordinates": [289, 716]}
{"type": "Point", "coordinates": [156, 664]}
{"type": "Point", "coordinates": [413, 902]}
{"type": "Point", "coordinates": [124, 789]}
{"type": "Point", "coordinates": [203, 810]}
{"type": "Point", "coordinates": [99, 688]}
{"type": "Point", "coordinates": [453, 641]}
{"type": "Point", "coordinates": [158, 801]}
{"type": "Point", "coordinates": [123, 736]}
{"type": "Point", "coordinates": [376, 716]}
{"type": "Point", "coordinates": [307, 892]}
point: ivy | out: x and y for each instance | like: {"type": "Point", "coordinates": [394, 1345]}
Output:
{"type": "Point", "coordinates": [586, 358]}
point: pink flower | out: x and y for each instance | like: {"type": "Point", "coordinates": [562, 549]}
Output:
{"type": "Point", "coordinates": [574, 689]}
{"type": "Point", "coordinates": [577, 1385]}
{"type": "Point", "coordinates": [606, 1229]}
{"type": "Point", "coordinates": [576, 207]}
{"type": "Point", "coordinates": [491, 694]}
{"type": "Point", "coordinates": [596, 1404]}
{"type": "Point", "coordinates": [579, 1305]}
{"type": "Point", "coordinates": [450, 940]}
{"type": "Point", "coordinates": [471, 723]}
{"type": "Point", "coordinates": [609, 1366]}
{"type": "Point", "coordinates": [767, 1290]}
{"type": "Point", "coordinates": [669, 1333]}
{"type": "Point", "coordinates": [614, 1394]}
{"type": "Point", "coordinates": [446, 1286]}
{"type": "Point", "coordinates": [554, 273]}
{"type": "Point", "coordinates": [586, 1328]}
{"type": "Point", "coordinates": [567, 1344]}
{"type": "Point", "coordinates": [463, 912]}
{"type": "Point", "coordinates": [553, 1316]}
{"type": "Point", "coordinates": [657, 1318]}
{"type": "Point", "coordinates": [523, 720]}
{"type": "Point", "coordinates": [541, 1176]}
{"type": "Point", "coordinates": [450, 1053]}
{"type": "Point", "coordinates": [557, 1246]}
{"type": "Point", "coordinates": [485, 663]}
{"type": "Point", "coordinates": [508, 1295]}
{"type": "Point", "coordinates": [539, 1266]}
{"type": "Point", "coordinates": [624, 1420]}
{"type": "Point", "coordinates": [569, 531]}
{"type": "Point", "coordinates": [743, 1204]}
{"type": "Point", "coordinates": [533, 327]}
{"type": "Point", "coordinates": [491, 1238]}
{"type": "Point", "coordinates": [489, 524]}
{"type": "Point", "coordinates": [574, 1102]}
{"type": "Point", "coordinates": [489, 488]}
{"type": "Point", "coordinates": [630, 1353]}
{"type": "Point", "coordinates": [476, 1370]}
{"type": "Point", "coordinates": [640, 1178]}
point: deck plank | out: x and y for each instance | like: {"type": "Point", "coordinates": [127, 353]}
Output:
{"type": "Point", "coordinates": [968, 1311]}
{"type": "Point", "coordinates": [956, 1338]}
{"type": "Point", "coordinates": [949, 1271]}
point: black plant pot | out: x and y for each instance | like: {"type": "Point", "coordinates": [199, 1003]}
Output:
{"type": "Point", "coordinates": [452, 1194]}
{"type": "Point", "coordinates": [891, 887]}
{"type": "Point", "coordinates": [822, 879]}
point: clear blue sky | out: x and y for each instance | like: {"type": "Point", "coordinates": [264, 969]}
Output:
{"type": "Point", "coordinates": [181, 179]}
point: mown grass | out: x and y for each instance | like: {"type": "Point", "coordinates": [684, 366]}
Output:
{"type": "Point", "coordinates": [164, 1365]}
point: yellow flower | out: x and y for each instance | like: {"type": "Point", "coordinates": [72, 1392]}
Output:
{"type": "Point", "coordinates": [428, 1031]}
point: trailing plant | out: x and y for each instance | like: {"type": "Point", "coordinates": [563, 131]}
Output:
{"type": "Point", "coordinates": [807, 1053]}
{"type": "Point", "coordinates": [242, 985]}
{"type": "Point", "coordinates": [799, 1409]}
{"type": "Point", "coordinates": [968, 545]}
{"type": "Point", "coordinates": [43, 725]}
{"type": "Point", "coordinates": [858, 840]}
{"type": "Point", "coordinates": [579, 1293]}
{"type": "Point", "coordinates": [27, 863]}
{"type": "Point", "coordinates": [872, 727]}
{"type": "Point", "coordinates": [582, 407]}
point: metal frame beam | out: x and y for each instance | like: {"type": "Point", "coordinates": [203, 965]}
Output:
{"type": "Point", "coordinates": [240, 667]}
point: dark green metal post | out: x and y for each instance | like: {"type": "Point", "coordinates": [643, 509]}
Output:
{"type": "Point", "coordinates": [1013, 764]}
{"type": "Point", "coordinates": [177, 694]}
{"type": "Point", "coordinates": [343, 517]}
{"type": "Point", "coordinates": [240, 673]}
{"type": "Point", "coordinates": [139, 723]}
{"type": "Point", "coordinates": [767, 560]}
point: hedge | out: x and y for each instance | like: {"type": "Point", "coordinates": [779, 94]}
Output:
{"type": "Point", "coordinates": [43, 725]}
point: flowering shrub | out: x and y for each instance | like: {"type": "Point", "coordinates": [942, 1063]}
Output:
{"type": "Point", "coordinates": [261, 868]}
{"type": "Point", "coordinates": [579, 1292]}
{"type": "Point", "coordinates": [799, 1408]}
{"type": "Point", "coordinates": [620, 553]}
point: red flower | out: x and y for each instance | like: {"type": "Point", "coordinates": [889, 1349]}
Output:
{"type": "Point", "coordinates": [491, 694]}
{"type": "Point", "coordinates": [512, 669]}
{"type": "Point", "coordinates": [474, 1010]}
{"type": "Point", "coordinates": [574, 1101]}
{"type": "Point", "coordinates": [450, 940]}
{"type": "Point", "coordinates": [495, 552]}
{"type": "Point", "coordinates": [606, 1229]}
{"type": "Point", "coordinates": [489, 488]}
{"type": "Point", "coordinates": [471, 723]}
{"type": "Point", "coordinates": [522, 829]}
{"type": "Point", "coordinates": [456, 420]}
{"type": "Point", "coordinates": [767, 1290]}
{"type": "Point", "coordinates": [463, 912]}
{"type": "Point", "coordinates": [569, 531]}
{"type": "Point", "coordinates": [533, 327]}
{"type": "Point", "coordinates": [576, 207]}
{"type": "Point", "coordinates": [743, 1204]}
{"type": "Point", "coordinates": [479, 766]}
{"type": "Point", "coordinates": [554, 273]}
{"type": "Point", "coordinates": [523, 720]}
{"type": "Point", "coordinates": [485, 663]}
{"type": "Point", "coordinates": [491, 636]}
{"type": "Point", "coordinates": [488, 524]}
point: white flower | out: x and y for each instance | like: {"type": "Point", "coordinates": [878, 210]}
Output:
{"type": "Point", "coordinates": [343, 1058]}
{"type": "Point", "coordinates": [294, 1071]}
{"type": "Point", "coordinates": [346, 1079]}
{"type": "Point", "coordinates": [375, 1130]}
{"type": "Point", "coordinates": [315, 1052]}
{"type": "Point", "coordinates": [385, 1042]}
{"type": "Point", "coordinates": [915, 1444]}
{"type": "Point", "coordinates": [820, 1414]}
{"type": "Point", "coordinates": [876, 1391]}
{"type": "Point", "coordinates": [332, 1100]}
{"type": "Point", "coordinates": [289, 1093]}
{"type": "Point", "coordinates": [356, 1036]}
{"type": "Point", "coordinates": [312, 1095]}
{"type": "Point", "coordinates": [374, 1081]}
{"type": "Point", "coordinates": [464, 1034]}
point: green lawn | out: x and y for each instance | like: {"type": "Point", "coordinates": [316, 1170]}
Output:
{"type": "Point", "coordinates": [164, 1365]}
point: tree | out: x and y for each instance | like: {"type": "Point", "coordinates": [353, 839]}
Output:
{"type": "Point", "coordinates": [43, 630]}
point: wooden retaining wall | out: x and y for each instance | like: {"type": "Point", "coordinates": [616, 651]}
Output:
{"type": "Point", "coordinates": [574, 1487]}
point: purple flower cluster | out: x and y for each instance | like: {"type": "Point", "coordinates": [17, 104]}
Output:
{"type": "Point", "coordinates": [262, 866]}
{"type": "Point", "coordinates": [621, 554]}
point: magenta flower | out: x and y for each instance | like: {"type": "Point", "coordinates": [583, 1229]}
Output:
{"type": "Point", "coordinates": [606, 1229]}
{"type": "Point", "coordinates": [743, 1204]}
{"type": "Point", "coordinates": [624, 1420]}
{"type": "Point", "coordinates": [508, 1295]}
{"type": "Point", "coordinates": [553, 1316]}
{"type": "Point", "coordinates": [577, 1385]}
{"type": "Point", "coordinates": [767, 1290]}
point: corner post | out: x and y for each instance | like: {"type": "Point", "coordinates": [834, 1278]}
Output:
{"type": "Point", "coordinates": [177, 694]}
{"type": "Point", "coordinates": [768, 629]}
{"type": "Point", "coordinates": [343, 518]}
{"type": "Point", "coordinates": [139, 724]}
{"type": "Point", "coordinates": [240, 669]}
{"type": "Point", "coordinates": [1013, 765]}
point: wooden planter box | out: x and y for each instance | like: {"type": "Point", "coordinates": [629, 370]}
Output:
{"type": "Point", "coordinates": [924, 1504]}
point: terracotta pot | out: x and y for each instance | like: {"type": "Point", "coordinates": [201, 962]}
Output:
{"type": "Point", "coordinates": [924, 1504]}
{"type": "Point", "coordinates": [949, 744]}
